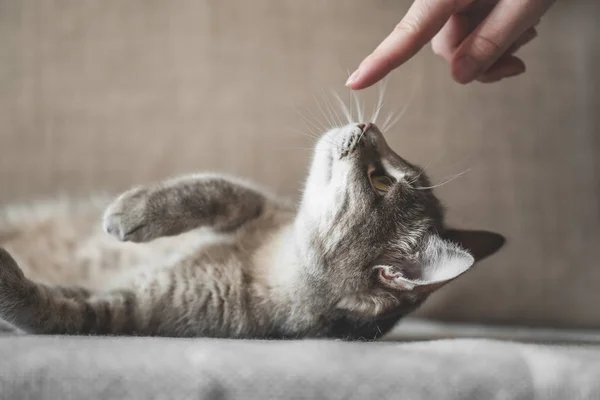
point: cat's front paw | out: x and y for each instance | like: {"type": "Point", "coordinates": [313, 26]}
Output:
{"type": "Point", "coordinates": [127, 218]}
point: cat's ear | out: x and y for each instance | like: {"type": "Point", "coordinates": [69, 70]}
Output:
{"type": "Point", "coordinates": [439, 262]}
{"type": "Point", "coordinates": [481, 244]}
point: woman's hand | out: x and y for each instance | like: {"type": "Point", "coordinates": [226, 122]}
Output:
{"type": "Point", "coordinates": [476, 37]}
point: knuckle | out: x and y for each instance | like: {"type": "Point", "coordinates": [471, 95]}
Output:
{"type": "Point", "coordinates": [484, 49]}
{"type": "Point", "coordinates": [407, 27]}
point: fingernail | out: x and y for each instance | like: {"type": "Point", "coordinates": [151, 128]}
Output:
{"type": "Point", "coordinates": [353, 78]}
{"type": "Point", "coordinates": [466, 69]}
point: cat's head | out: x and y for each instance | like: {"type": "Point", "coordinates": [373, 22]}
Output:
{"type": "Point", "coordinates": [372, 229]}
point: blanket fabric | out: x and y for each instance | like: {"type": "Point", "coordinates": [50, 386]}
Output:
{"type": "Point", "coordinates": [160, 368]}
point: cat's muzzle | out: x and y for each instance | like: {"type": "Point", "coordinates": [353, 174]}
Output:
{"type": "Point", "coordinates": [354, 139]}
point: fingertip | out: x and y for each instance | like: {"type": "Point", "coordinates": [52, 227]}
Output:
{"type": "Point", "coordinates": [506, 67]}
{"type": "Point", "coordinates": [494, 79]}
{"type": "Point", "coordinates": [352, 80]}
{"type": "Point", "coordinates": [510, 66]}
{"type": "Point", "coordinates": [368, 73]}
{"type": "Point", "coordinates": [516, 72]}
{"type": "Point", "coordinates": [464, 69]}
{"type": "Point", "coordinates": [356, 81]}
{"type": "Point", "coordinates": [519, 64]}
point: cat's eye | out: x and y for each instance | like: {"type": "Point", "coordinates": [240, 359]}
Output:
{"type": "Point", "coordinates": [381, 183]}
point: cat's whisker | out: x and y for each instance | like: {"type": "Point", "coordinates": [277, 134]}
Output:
{"type": "Point", "coordinates": [350, 100]}
{"type": "Point", "coordinates": [450, 179]}
{"type": "Point", "coordinates": [317, 137]}
{"type": "Point", "coordinates": [298, 148]}
{"type": "Point", "coordinates": [381, 94]}
{"type": "Point", "coordinates": [327, 110]}
{"type": "Point", "coordinates": [394, 121]}
{"type": "Point", "coordinates": [389, 124]}
{"type": "Point", "coordinates": [317, 127]}
{"type": "Point", "coordinates": [359, 110]}
{"type": "Point", "coordinates": [361, 135]}
{"type": "Point", "coordinates": [467, 159]}
{"type": "Point", "coordinates": [343, 106]}
{"type": "Point", "coordinates": [302, 133]}
{"type": "Point", "coordinates": [331, 109]}
{"type": "Point", "coordinates": [321, 126]}
{"type": "Point", "coordinates": [429, 164]}
{"type": "Point", "coordinates": [387, 121]}
{"type": "Point", "coordinates": [309, 124]}
{"type": "Point", "coordinates": [446, 167]}
{"type": "Point", "coordinates": [341, 109]}
{"type": "Point", "coordinates": [351, 103]}
{"type": "Point", "coordinates": [331, 125]}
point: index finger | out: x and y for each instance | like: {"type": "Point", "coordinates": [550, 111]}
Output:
{"type": "Point", "coordinates": [420, 24]}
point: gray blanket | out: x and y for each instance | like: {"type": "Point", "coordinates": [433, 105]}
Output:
{"type": "Point", "coordinates": [157, 368]}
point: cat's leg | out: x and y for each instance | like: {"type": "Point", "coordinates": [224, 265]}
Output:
{"type": "Point", "coordinates": [167, 302]}
{"type": "Point", "coordinates": [44, 309]}
{"type": "Point", "coordinates": [179, 205]}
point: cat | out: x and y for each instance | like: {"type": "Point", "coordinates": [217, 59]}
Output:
{"type": "Point", "coordinates": [215, 256]}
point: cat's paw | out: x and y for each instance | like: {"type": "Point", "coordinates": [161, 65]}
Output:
{"type": "Point", "coordinates": [127, 217]}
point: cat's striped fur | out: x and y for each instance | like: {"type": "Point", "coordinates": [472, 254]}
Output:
{"type": "Point", "coordinates": [209, 255]}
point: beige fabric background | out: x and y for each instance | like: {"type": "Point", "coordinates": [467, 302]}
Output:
{"type": "Point", "coordinates": [105, 94]}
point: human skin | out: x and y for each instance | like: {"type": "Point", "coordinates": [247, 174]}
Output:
{"type": "Point", "coordinates": [477, 38]}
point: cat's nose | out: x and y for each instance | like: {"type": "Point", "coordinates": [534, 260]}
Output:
{"type": "Point", "coordinates": [365, 127]}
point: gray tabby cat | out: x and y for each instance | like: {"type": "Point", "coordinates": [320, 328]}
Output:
{"type": "Point", "coordinates": [208, 255]}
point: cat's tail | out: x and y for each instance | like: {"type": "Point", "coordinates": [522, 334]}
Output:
{"type": "Point", "coordinates": [44, 309]}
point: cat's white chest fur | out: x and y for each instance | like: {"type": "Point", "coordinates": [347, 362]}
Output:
{"type": "Point", "coordinates": [276, 260]}
{"type": "Point", "coordinates": [167, 252]}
